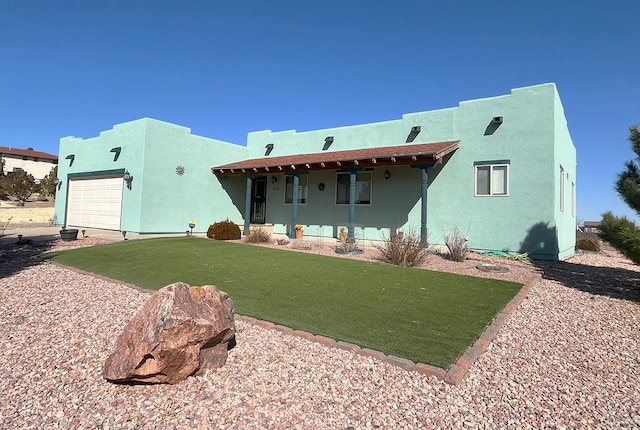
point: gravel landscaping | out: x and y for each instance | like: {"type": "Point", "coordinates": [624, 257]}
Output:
{"type": "Point", "coordinates": [568, 357]}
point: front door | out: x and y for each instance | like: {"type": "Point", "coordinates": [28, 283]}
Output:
{"type": "Point", "coordinates": [258, 200]}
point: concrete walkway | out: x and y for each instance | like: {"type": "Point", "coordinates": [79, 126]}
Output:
{"type": "Point", "coordinates": [43, 234]}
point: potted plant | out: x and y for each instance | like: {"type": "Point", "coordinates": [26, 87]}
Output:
{"type": "Point", "coordinates": [299, 231]}
{"type": "Point", "coordinates": [69, 233]}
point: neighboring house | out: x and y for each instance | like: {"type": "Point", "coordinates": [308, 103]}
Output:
{"type": "Point", "coordinates": [591, 227]}
{"type": "Point", "coordinates": [501, 169]}
{"type": "Point", "coordinates": [38, 164]}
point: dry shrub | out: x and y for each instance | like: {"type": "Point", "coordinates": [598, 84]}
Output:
{"type": "Point", "coordinates": [282, 241]}
{"type": "Point", "coordinates": [258, 235]}
{"type": "Point", "coordinates": [457, 244]}
{"type": "Point", "coordinates": [402, 248]}
{"type": "Point", "coordinates": [588, 244]}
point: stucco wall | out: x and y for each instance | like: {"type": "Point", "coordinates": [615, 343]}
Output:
{"type": "Point", "coordinates": [171, 200]}
{"type": "Point", "coordinates": [92, 155]}
{"type": "Point", "coordinates": [533, 140]}
{"type": "Point", "coordinates": [524, 221]}
{"type": "Point", "coordinates": [565, 156]}
{"type": "Point", "coordinates": [159, 200]}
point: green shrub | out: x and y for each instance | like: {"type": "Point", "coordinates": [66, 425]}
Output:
{"type": "Point", "coordinates": [456, 244]}
{"type": "Point", "coordinates": [588, 244]}
{"type": "Point", "coordinates": [622, 234]}
{"type": "Point", "coordinates": [402, 249]}
{"type": "Point", "coordinates": [258, 235]}
{"type": "Point", "coordinates": [224, 230]}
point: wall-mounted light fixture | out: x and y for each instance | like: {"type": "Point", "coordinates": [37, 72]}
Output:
{"type": "Point", "coordinates": [128, 178]}
{"type": "Point", "coordinates": [268, 148]}
{"type": "Point", "coordinates": [274, 179]}
{"type": "Point", "coordinates": [387, 174]}
{"type": "Point", "coordinates": [327, 142]}
{"type": "Point", "coordinates": [58, 183]}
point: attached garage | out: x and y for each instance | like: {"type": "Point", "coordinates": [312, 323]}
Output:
{"type": "Point", "coordinates": [95, 202]}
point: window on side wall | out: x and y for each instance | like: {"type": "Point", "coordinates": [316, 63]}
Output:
{"type": "Point", "coordinates": [561, 188]}
{"type": "Point", "coordinates": [363, 188]}
{"type": "Point", "coordinates": [303, 190]}
{"type": "Point", "coordinates": [492, 179]}
{"type": "Point", "coordinates": [573, 199]}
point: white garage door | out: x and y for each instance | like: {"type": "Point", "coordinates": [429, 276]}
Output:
{"type": "Point", "coordinates": [95, 202]}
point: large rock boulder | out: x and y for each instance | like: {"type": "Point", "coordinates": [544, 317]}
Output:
{"type": "Point", "coordinates": [181, 331]}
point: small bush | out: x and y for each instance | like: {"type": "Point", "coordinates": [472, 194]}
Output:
{"type": "Point", "coordinates": [224, 230]}
{"type": "Point", "coordinates": [258, 235]}
{"type": "Point", "coordinates": [588, 244]}
{"type": "Point", "coordinates": [282, 242]}
{"type": "Point", "coordinates": [402, 248]}
{"type": "Point", "coordinates": [523, 258]}
{"type": "Point", "coordinates": [457, 245]}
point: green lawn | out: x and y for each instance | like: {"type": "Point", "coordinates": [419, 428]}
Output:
{"type": "Point", "coordinates": [425, 316]}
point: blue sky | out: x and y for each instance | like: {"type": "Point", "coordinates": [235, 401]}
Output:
{"type": "Point", "coordinates": [224, 69]}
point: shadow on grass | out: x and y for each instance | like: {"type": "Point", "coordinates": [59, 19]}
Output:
{"type": "Point", "coordinates": [618, 283]}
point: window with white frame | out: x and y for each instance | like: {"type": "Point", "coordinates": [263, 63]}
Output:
{"type": "Point", "coordinates": [573, 199]}
{"type": "Point", "coordinates": [303, 189]}
{"type": "Point", "coordinates": [561, 188]}
{"type": "Point", "coordinates": [492, 179]}
{"type": "Point", "coordinates": [363, 188]}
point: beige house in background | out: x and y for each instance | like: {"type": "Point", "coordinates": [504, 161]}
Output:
{"type": "Point", "coordinates": [37, 163]}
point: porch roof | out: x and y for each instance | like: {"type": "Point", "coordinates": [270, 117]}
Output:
{"type": "Point", "coordinates": [356, 158]}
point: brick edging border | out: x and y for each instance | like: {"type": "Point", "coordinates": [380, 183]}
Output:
{"type": "Point", "coordinates": [454, 375]}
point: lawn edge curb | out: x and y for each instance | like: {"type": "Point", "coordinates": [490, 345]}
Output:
{"type": "Point", "coordinates": [453, 376]}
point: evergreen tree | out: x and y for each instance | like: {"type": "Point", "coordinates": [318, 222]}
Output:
{"type": "Point", "coordinates": [628, 184]}
{"type": "Point", "coordinates": [620, 232]}
{"type": "Point", "coordinates": [47, 184]}
{"type": "Point", "coordinates": [20, 184]}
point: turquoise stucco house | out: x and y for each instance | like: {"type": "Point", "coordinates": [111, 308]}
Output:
{"type": "Point", "coordinates": [501, 169]}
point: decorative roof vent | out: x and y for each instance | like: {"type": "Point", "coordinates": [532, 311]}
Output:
{"type": "Point", "coordinates": [415, 130]}
{"type": "Point", "coordinates": [496, 121]}
{"type": "Point", "coordinates": [116, 152]}
{"type": "Point", "coordinates": [327, 142]}
{"type": "Point", "coordinates": [269, 148]}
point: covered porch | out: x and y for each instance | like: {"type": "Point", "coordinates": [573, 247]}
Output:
{"type": "Point", "coordinates": [351, 166]}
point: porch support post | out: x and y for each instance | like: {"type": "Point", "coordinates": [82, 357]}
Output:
{"type": "Point", "coordinates": [351, 237]}
{"type": "Point", "coordinates": [294, 206]}
{"type": "Point", "coordinates": [247, 206]}
{"type": "Point", "coordinates": [424, 182]}
{"type": "Point", "coordinates": [423, 206]}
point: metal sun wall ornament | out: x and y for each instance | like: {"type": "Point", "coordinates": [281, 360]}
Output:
{"type": "Point", "coordinates": [179, 170]}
